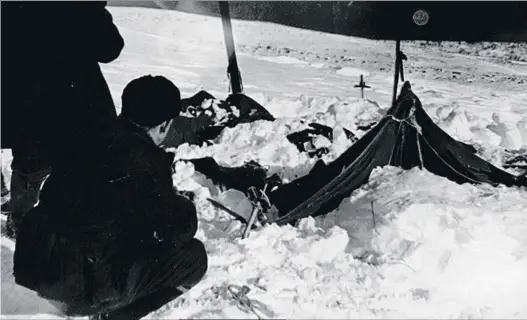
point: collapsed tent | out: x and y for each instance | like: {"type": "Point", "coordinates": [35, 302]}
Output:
{"type": "Point", "coordinates": [406, 137]}
{"type": "Point", "coordinates": [203, 118]}
{"type": "Point", "coordinates": [303, 140]}
{"type": "Point", "coordinates": [518, 162]}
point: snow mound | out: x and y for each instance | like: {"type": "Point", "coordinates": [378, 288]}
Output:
{"type": "Point", "coordinates": [496, 128]}
{"type": "Point", "coordinates": [461, 246]}
{"type": "Point", "coordinates": [266, 142]}
{"type": "Point", "coordinates": [443, 251]}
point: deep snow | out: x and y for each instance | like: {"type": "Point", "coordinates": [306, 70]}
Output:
{"type": "Point", "coordinates": [438, 249]}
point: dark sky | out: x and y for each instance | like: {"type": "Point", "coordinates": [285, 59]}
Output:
{"type": "Point", "coordinates": [389, 20]}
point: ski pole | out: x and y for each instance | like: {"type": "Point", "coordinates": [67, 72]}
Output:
{"type": "Point", "coordinates": [250, 223]}
{"type": "Point", "coordinates": [232, 69]}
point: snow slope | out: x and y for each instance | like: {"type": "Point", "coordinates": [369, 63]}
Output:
{"type": "Point", "coordinates": [406, 245]}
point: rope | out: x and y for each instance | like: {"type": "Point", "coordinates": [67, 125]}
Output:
{"type": "Point", "coordinates": [419, 134]}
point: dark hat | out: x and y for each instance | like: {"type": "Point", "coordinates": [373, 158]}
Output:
{"type": "Point", "coordinates": [150, 101]}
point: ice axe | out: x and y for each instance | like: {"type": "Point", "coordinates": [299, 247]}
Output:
{"type": "Point", "coordinates": [237, 98]}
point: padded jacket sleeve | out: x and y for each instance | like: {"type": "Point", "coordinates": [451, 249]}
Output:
{"type": "Point", "coordinates": [171, 215]}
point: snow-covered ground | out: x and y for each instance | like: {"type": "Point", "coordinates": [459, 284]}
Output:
{"type": "Point", "coordinates": [406, 245]}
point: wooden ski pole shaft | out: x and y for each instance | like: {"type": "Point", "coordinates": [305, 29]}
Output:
{"type": "Point", "coordinates": [251, 221]}
{"type": "Point", "coordinates": [233, 70]}
{"type": "Point", "coordinates": [396, 76]}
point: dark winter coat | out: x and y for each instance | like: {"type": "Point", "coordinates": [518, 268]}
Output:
{"type": "Point", "coordinates": [92, 225]}
{"type": "Point", "coordinates": [53, 90]}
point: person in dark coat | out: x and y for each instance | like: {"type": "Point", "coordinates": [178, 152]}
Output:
{"type": "Point", "coordinates": [55, 99]}
{"type": "Point", "coordinates": [116, 239]}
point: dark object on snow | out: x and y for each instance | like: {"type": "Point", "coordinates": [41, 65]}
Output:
{"type": "Point", "coordinates": [367, 127]}
{"type": "Point", "coordinates": [318, 152]}
{"type": "Point", "coordinates": [406, 137]}
{"type": "Point", "coordinates": [250, 110]}
{"type": "Point", "coordinates": [115, 236]}
{"type": "Point", "coordinates": [323, 130]}
{"type": "Point", "coordinates": [196, 100]}
{"type": "Point", "coordinates": [518, 162]}
{"type": "Point", "coordinates": [350, 135]}
{"type": "Point", "coordinates": [239, 178]}
{"type": "Point", "coordinates": [517, 159]}
{"type": "Point", "coordinates": [204, 124]}
{"type": "Point", "coordinates": [251, 174]}
{"type": "Point", "coordinates": [306, 135]}
{"type": "Point", "coordinates": [301, 138]}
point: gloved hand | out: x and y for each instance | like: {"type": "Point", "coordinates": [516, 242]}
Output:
{"type": "Point", "coordinates": [184, 222]}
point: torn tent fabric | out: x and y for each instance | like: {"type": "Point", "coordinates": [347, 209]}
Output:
{"type": "Point", "coordinates": [204, 117]}
{"type": "Point", "coordinates": [406, 137]}
{"type": "Point", "coordinates": [241, 178]}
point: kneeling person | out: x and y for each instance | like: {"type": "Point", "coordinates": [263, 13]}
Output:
{"type": "Point", "coordinates": [115, 240]}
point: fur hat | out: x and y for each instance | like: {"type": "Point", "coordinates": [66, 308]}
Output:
{"type": "Point", "coordinates": [150, 101]}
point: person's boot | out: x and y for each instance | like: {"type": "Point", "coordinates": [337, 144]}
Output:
{"type": "Point", "coordinates": [100, 316]}
{"type": "Point", "coordinates": [6, 208]}
{"type": "Point", "coordinates": [25, 191]}
{"type": "Point", "coordinates": [5, 192]}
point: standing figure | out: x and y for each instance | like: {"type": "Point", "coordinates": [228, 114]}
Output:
{"type": "Point", "coordinates": [55, 100]}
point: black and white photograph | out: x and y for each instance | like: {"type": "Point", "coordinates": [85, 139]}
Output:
{"type": "Point", "coordinates": [263, 160]}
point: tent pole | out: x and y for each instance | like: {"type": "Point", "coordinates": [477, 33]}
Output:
{"type": "Point", "coordinates": [396, 74]}
{"type": "Point", "coordinates": [232, 70]}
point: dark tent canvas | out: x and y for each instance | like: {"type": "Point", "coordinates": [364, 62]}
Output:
{"type": "Point", "coordinates": [406, 137]}
{"type": "Point", "coordinates": [202, 123]}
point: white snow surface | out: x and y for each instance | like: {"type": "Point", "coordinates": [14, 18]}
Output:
{"type": "Point", "coordinates": [408, 244]}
